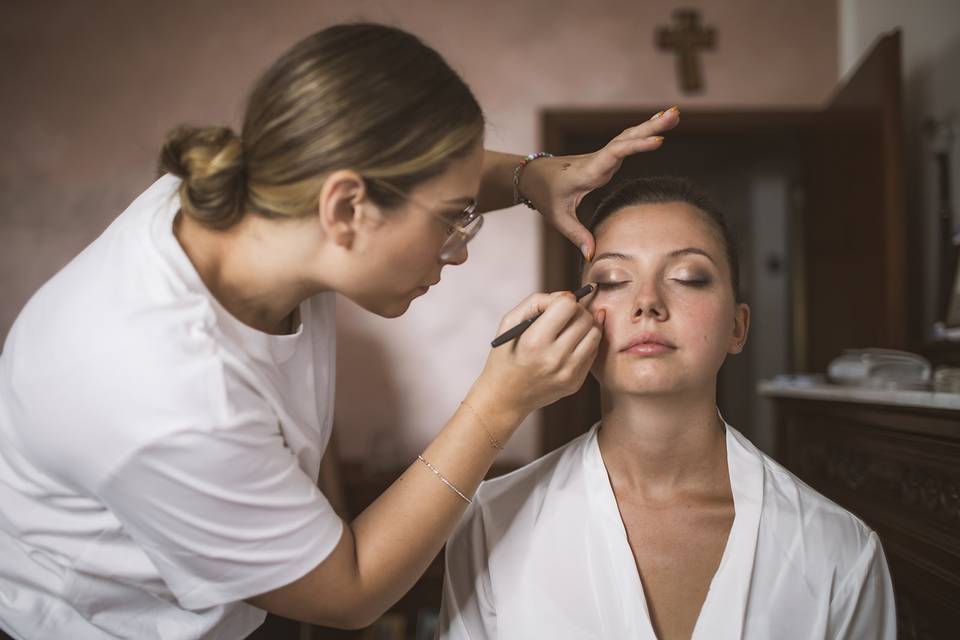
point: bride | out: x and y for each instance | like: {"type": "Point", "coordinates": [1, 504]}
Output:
{"type": "Point", "coordinates": [662, 521]}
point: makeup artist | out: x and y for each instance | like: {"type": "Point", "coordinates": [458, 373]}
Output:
{"type": "Point", "coordinates": [165, 400]}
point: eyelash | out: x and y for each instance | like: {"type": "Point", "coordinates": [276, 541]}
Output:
{"type": "Point", "coordinates": [606, 286]}
{"type": "Point", "coordinates": [699, 284]}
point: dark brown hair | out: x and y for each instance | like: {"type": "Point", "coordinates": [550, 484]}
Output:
{"type": "Point", "coordinates": [366, 97]}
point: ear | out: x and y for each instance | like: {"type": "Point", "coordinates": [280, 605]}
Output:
{"type": "Point", "coordinates": [741, 327]}
{"type": "Point", "coordinates": [341, 206]}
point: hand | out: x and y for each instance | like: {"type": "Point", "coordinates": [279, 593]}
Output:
{"type": "Point", "coordinates": [549, 361]}
{"type": "Point", "coordinates": [556, 186]}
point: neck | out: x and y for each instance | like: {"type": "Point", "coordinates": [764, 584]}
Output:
{"type": "Point", "coordinates": [249, 271]}
{"type": "Point", "coordinates": [661, 445]}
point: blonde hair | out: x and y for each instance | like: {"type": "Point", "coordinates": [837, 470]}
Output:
{"type": "Point", "coordinates": [366, 97]}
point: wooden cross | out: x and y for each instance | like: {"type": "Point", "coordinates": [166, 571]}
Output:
{"type": "Point", "coordinates": [685, 39]}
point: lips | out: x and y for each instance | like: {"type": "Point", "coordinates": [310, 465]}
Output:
{"type": "Point", "coordinates": [648, 344]}
{"type": "Point", "coordinates": [422, 289]}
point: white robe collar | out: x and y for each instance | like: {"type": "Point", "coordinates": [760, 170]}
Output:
{"type": "Point", "coordinates": [730, 586]}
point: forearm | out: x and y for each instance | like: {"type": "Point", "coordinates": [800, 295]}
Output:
{"type": "Point", "coordinates": [398, 536]}
{"type": "Point", "coordinates": [384, 551]}
{"type": "Point", "coordinates": [496, 182]}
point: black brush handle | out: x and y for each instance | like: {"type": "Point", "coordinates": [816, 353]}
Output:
{"type": "Point", "coordinates": [516, 331]}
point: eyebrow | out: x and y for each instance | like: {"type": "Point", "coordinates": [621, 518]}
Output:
{"type": "Point", "coordinates": [612, 255]}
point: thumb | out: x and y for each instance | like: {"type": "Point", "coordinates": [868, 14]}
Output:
{"type": "Point", "coordinates": [575, 232]}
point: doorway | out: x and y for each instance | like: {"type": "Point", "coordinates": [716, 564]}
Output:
{"type": "Point", "coordinates": [814, 198]}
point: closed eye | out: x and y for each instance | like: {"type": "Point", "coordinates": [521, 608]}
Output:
{"type": "Point", "coordinates": [699, 284]}
{"type": "Point", "coordinates": [607, 286]}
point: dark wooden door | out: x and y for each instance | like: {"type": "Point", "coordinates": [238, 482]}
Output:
{"type": "Point", "coordinates": [854, 224]}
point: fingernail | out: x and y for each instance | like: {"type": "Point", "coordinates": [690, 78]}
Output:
{"type": "Point", "coordinates": [657, 138]}
{"type": "Point", "coordinates": [657, 115]}
{"type": "Point", "coordinates": [601, 316]}
{"type": "Point", "coordinates": [674, 108]}
{"type": "Point", "coordinates": [585, 250]}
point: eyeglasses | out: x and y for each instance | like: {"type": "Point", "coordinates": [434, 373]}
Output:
{"type": "Point", "coordinates": [458, 233]}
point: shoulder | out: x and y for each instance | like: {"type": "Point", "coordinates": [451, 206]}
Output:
{"type": "Point", "coordinates": [817, 514]}
{"type": "Point", "coordinates": [93, 390]}
{"type": "Point", "coordinates": [117, 283]}
{"type": "Point", "coordinates": [795, 514]}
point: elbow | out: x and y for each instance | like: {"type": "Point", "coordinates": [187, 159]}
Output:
{"type": "Point", "coordinates": [351, 618]}
{"type": "Point", "coordinates": [356, 623]}
{"type": "Point", "coordinates": [365, 617]}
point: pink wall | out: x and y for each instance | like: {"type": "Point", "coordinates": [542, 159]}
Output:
{"type": "Point", "coordinates": [90, 88]}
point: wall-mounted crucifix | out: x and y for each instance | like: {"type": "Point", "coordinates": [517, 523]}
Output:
{"type": "Point", "coordinates": [686, 38]}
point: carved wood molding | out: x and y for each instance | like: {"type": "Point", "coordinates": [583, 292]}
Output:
{"type": "Point", "coordinates": [898, 469]}
{"type": "Point", "coordinates": [930, 490]}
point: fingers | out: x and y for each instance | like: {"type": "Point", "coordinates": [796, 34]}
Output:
{"type": "Point", "coordinates": [530, 307]}
{"type": "Point", "coordinates": [643, 137]}
{"type": "Point", "coordinates": [659, 123]}
{"type": "Point", "coordinates": [575, 331]}
{"type": "Point", "coordinates": [552, 358]}
{"type": "Point", "coordinates": [588, 328]}
{"type": "Point", "coordinates": [623, 148]}
{"type": "Point", "coordinates": [579, 345]}
{"type": "Point", "coordinates": [588, 347]}
{"type": "Point", "coordinates": [586, 350]}
{"type": "Point", "coordinates": [558, 314]}
{"type": "Point", "coordinates": [561, 324]}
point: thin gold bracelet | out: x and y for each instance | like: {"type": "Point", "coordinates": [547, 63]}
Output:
{"type": "Point", "coordinates": [493, 441]}
{"type": "Point", "coordinates": [437, 473]}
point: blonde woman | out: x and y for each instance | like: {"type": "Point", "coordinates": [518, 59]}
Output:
{"type": "Point", "coordinates": [165, 400]}
{"type": "Point", "coordinates": [662, 521]}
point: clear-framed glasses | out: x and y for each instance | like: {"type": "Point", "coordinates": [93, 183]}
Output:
{"type": "Point", "coordinates": [459, 233]}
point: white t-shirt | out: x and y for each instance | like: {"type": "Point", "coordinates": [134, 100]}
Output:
{"type": "Point", "coordinates": [543, 553]}
{"type": "Point", "coordinates": [158, 458]}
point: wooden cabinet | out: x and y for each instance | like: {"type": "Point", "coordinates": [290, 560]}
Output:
{"type": "Point", "coordinates": [898, 468]}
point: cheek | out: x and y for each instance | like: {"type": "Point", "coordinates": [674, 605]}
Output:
{"type": "Point", "coordinates": [413, 247]}
{"type": "Point", "coordinates": [711, 326]}
{"type": "Point", "coordinates": [615, 302]}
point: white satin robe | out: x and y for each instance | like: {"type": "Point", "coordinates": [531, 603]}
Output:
{"type": "Point", "coordinates": [543, 553]}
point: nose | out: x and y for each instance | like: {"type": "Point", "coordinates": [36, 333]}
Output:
{"type": "Point", "coordinates": [648, 303]}
{"type": "Point", "coordinates": [459, 256]}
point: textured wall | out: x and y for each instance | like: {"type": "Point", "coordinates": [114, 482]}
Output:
{"type": "Point", "coordinates": [90, 88]}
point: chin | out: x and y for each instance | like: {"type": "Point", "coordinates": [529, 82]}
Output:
{"type": "Point", "coordinates": [394, 310]}
{"type": "Point", "coordinates": [386, 308]}
{"type": "Point", "coordinates": [643, 388]}
{"type": "Point", "coordinates": [641, 381]}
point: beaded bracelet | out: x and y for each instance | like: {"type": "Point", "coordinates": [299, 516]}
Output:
{"type": "Point", "coordinates": [437, 473]}
{"type": "Point", "coordinates": [527, 159]}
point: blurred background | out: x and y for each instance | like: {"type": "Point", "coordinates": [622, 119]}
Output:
{"type": "Point", "coordinates": [824, 129]}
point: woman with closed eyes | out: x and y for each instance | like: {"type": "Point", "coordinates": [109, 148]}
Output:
{"type": "Point", "coordinates": [662, 521]}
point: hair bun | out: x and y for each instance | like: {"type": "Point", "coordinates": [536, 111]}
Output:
{"type": "Point", "coordinates": [209, 160]}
